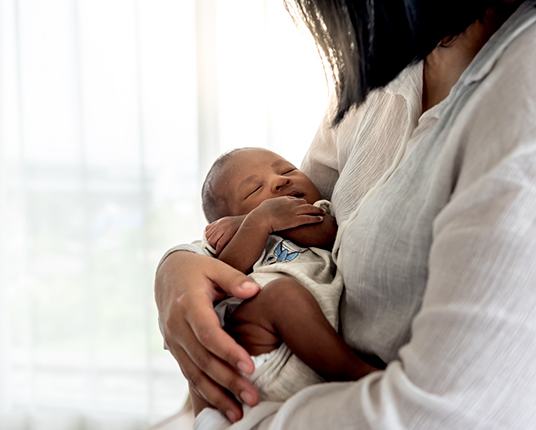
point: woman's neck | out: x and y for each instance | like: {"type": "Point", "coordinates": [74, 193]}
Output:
{"type": "Point", "coordinates": [445, 64]}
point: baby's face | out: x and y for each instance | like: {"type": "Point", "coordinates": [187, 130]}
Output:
{"type": "Point", "coordinates": [254, 175]}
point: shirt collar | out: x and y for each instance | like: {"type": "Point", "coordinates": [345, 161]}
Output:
{"type": "Point", "coordinates": [408, 84]}
{"type": "Point", "coordinates": [491, 52]}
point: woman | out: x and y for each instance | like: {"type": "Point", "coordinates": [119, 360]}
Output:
{"type": "Point", "coordinates": [437, 253]}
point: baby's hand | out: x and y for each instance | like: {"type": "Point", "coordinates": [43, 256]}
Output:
{"type": "Point", "coordinates": [283, 213]}
{"type": "Point", "coordinates": [221, 231]}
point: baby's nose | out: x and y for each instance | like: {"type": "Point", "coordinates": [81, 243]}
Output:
{"type": "Point", "coordinates": [279, 183]}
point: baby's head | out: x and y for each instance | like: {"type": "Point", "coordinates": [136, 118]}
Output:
{"type": "Point", "coordinates": [242, 179]}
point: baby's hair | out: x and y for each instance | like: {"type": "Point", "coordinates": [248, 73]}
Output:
{"type": "Point", "coordinates": [214, 204]}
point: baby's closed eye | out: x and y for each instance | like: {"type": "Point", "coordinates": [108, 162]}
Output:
{"type": "Point", "coordinates": [253, 191]}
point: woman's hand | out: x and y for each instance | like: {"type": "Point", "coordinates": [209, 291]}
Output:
{"type": "Point", "coordinates": [221, 231]}
{"type": "Point", "coordinates": [186, 287]}
{"type": "Point", "coordinates": [196, 402]}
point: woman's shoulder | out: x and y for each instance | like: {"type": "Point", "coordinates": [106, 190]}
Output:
{"type": "Point", "coordinates": [488, 120]}
{"type": "Point", "coordinates": [493, 126]}
{"type": "Point", "coordinates": [510, 51]}
{"type": "Point", "coordinates": [497, 97]}
{"type": "Point", "coordinates": [517, 60]}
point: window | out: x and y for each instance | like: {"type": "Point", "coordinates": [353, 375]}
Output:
{"type": "Point", "coordinates": [110, 114]}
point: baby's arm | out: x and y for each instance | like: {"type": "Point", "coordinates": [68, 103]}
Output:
{"type": "Point", "coordinates": [280, 213]}
{"type": "Point", "coordinates": [247, 244]}
{"type": "Point", "coordinates": [321, 235]}
{"type": "Point", "coordinates": [285, 311]}
{"type": "Point", "coordinates": [220, 232]}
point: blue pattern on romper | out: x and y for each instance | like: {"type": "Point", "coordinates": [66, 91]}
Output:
{"type": "Point", "coordinates": [283, 255]}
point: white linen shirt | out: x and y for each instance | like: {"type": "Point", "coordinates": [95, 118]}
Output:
{"type": "Point", "coordinates": [437, 246]}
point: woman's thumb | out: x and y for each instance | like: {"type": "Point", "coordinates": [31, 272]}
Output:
{"type": "Point", "coordinates": [234, 282]}
{"type": "Point", "coordinates": [247, 289]}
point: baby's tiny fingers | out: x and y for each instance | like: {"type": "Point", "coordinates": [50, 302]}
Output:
{"type": "Point", "coordinates": [219, 245]}
{"type": "Point", "coordinates": [310, 210]}
{"type": "Point", "coordinates": [215, 237]}
{"type": "Point", "coordinates": [296, 200]}
{"type": "Point", "coordinates": [222, 242]}
{"type": "Point", "coordinates": [310, 219]}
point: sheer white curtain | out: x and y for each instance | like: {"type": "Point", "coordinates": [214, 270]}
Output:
{"type": "Point", "coordinates": [110, 113]}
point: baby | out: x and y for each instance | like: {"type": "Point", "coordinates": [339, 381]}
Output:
{"type": "Point", "coordinates": [249, 195]}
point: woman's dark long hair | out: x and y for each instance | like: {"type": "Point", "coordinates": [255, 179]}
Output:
{"type": "Point", "coordinates": [367, 43]}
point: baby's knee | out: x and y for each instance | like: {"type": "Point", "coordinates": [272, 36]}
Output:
{"type": "Point", "coordinates": [287, 293]}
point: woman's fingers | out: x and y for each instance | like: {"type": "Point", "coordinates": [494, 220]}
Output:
{"type": "Point", "coordinates": [186, 287]}
{"type": "Point", "coordinates": [206, 389]}
{"type": "Point", "coordinates": [206, 328]}
{"type": "Point", "coordinates": [230, 280]}
{"type": "Point", "coordinates": [202, 352]}
{"type": "Point", "coordinates": [220, 372]}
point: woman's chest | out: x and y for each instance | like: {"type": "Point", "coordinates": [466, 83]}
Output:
{"type": "Point", "coordinates": [384, 248]}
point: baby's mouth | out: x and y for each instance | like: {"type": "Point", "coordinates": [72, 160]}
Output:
{"type": "Point", "coordinates": [297, 194]}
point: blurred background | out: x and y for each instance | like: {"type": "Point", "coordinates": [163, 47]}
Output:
{"type": "Point", "coordinates": [111, 111]}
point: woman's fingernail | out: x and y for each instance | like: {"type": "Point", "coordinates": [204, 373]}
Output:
{"type": "Point", "coordinates": [243, 367]}
{"type": "Point", "coordinates": [231, 416]}
{"type": "Point", "coordinates": [248, 285]}
{"type": "Point", "coordinates": [247, 397]}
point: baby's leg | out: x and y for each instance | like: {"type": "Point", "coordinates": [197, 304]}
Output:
{"type": "Point", "coordinates": [285, 310]}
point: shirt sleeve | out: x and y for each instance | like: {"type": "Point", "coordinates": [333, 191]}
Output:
{"type": "Point", "coordinates": [471, 360]}
{"type": "Point", "coordinates": [197, 247]}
